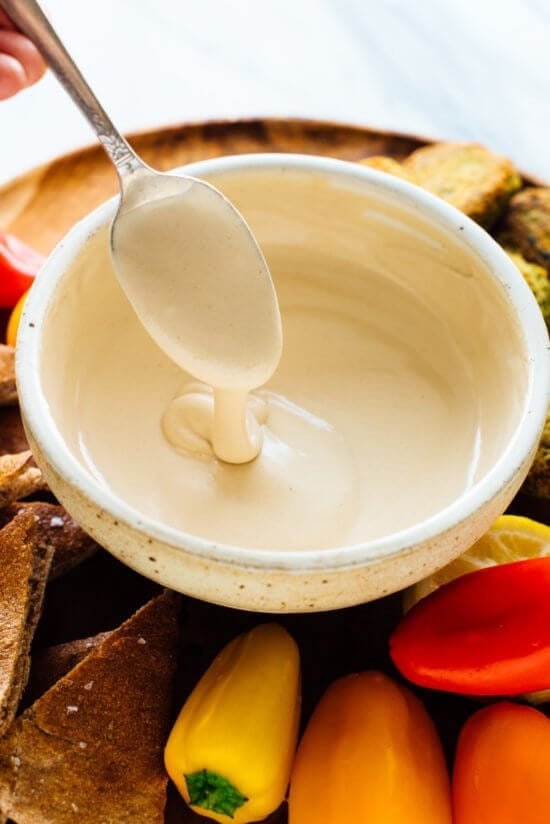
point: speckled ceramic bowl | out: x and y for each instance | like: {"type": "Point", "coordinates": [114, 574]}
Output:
{"type": "Point", "coordinates": [312, 580]}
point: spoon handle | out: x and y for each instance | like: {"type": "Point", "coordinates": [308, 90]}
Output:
{"type": "Point", "coordinates": [29, 17]}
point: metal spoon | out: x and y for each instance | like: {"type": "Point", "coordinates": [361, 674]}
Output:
{"type": "Point", "coordinates": [245, 349]}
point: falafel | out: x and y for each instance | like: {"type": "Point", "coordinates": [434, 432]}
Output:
{"type": "Point", "coordinates": [537, 483]}
{"type": "Point", "coordinates": [467, 175]}
{"type": "Point", "coordinates": [537, 279]}
{"type": "Point", "coordinates": [526, 225]}
{"type": "Point", "coordinates": [388, 165]}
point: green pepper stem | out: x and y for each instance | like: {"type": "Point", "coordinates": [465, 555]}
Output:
{"type": "Point", "coordinates": [210, 791]}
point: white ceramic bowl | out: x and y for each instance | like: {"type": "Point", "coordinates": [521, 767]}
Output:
{"type": "Point", "coordinates": [308, 580]}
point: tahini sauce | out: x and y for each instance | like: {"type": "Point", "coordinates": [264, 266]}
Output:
{"type": "Point", "coordinates": [392, 396]}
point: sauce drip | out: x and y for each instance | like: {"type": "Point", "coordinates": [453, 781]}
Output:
{"type": "Point", "coordinates": [200, 286]}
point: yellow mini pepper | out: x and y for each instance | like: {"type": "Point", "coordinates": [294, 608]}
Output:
{"type": "Point", "coordinates": [14, 319]}
{"type": "Point", "coordinates": [231, 749]}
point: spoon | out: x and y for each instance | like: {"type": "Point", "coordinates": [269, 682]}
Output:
{"type": "Point", "coordinates": [185, 257]}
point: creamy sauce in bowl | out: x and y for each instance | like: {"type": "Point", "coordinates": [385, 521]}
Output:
{"type": "Point", "coordinates": [393, 395]}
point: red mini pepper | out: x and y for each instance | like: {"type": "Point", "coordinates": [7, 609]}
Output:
{"type": "Point", "coordinates": [485, 633]}
{"type": "Point", "coordinates": [18, 267]}
{"type": "Point", "coordinates": [501, 773]}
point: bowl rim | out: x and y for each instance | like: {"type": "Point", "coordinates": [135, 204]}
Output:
{"type": "Point", "coordinates": [38, 418]}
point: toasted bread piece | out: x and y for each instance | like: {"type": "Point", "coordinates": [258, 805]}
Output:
{"type": "Point", "coordinates": [90, 749]}
{"type": "Point", "coordinates": [58, 530]}
{"type": "Point", "coordinates": [388, 165]}
{"type": "Point", "coordinates": [537, 279]}
{"type": "Point", "coordinates": [472, 178]}
{"type": "Point", "coordinates": [537, 482]}
{"type": "Point", "coordinates": [526, 225]}
{"type": "Point", "coordinates": [19, 477]}
{"type": "Point", "coordinates": [50, 664]}
{"type": "Point", "coordinates": [8, 390]}
{"type": "Point", "coordinates": [24, 567]}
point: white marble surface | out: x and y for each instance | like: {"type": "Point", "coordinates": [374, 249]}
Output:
{"type": "Point", "coordinates": [463, 69]}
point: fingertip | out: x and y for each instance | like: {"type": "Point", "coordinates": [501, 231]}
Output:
{"type": "Point", "coordinates": [13, 77]}
{"type": "Point", "coordinates": [16, 45]}
{"type": "Point", "coordinates": [34, 66]}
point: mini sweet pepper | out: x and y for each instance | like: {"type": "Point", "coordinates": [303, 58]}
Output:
{"type": "Point", "coordinates": [19, 265]}
{"type": "Point", "coordinates": [485, 633]}
{"type": "Point", "coordinates": [15, 319]}
{"type": "Point", "coordinates": [502, 767]}
{"type": "Point", "coordinates": [370, 753]}
{"type": "Point", "coordinates": [230, 751]}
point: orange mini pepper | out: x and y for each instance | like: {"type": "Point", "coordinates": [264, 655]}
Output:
{"type": "Point", "coordinates": [370, 753]}
{"type": "Point", "coordinates": [502, 767]}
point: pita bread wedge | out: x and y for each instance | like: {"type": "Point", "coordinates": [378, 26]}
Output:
{"type": "Point", "coordinates": [24, 568]}
{"type": "Point", "coordinates": [90, 749]}
{"type": "Point", "coordinates": [52, 663]}
{"type": "Point", "coordinates": [58, 530]}
{"type": "Point", "coordinates": [8, 390]}
{"type": "Point", "coordinates": [19, 477]}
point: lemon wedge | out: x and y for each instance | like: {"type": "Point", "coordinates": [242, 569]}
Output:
{"type": "Point", "coordinates": [511, 538]}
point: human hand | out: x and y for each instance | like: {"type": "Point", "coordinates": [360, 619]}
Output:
{"type": "Point", "coordinates": [20, 62]}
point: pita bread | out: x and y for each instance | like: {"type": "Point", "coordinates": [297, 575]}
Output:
{"type": "Point", "coordinates": [19, 477]}
{"type": "Point", "coordinates": [91, 748]}
{"type": "Point", "coordinates": [24, 568]}
{"type": "Point", "coordinates": [8, 389]}
{"type": "Point", "coordinates": [50, 664]}
{"type": "Point", "coordinates": [58, 530]}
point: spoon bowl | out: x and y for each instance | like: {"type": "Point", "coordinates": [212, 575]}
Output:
{"type": "Point", "coordinates": [196, 279]}
{"type": "Point", "coordinates": [184, 256]}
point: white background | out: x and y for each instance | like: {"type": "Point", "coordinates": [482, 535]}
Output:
{"type": "Point", "coordinates": [466, 69]}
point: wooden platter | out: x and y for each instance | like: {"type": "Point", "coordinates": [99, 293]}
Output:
{"type": "Point", "coordinates": [40, 207]}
